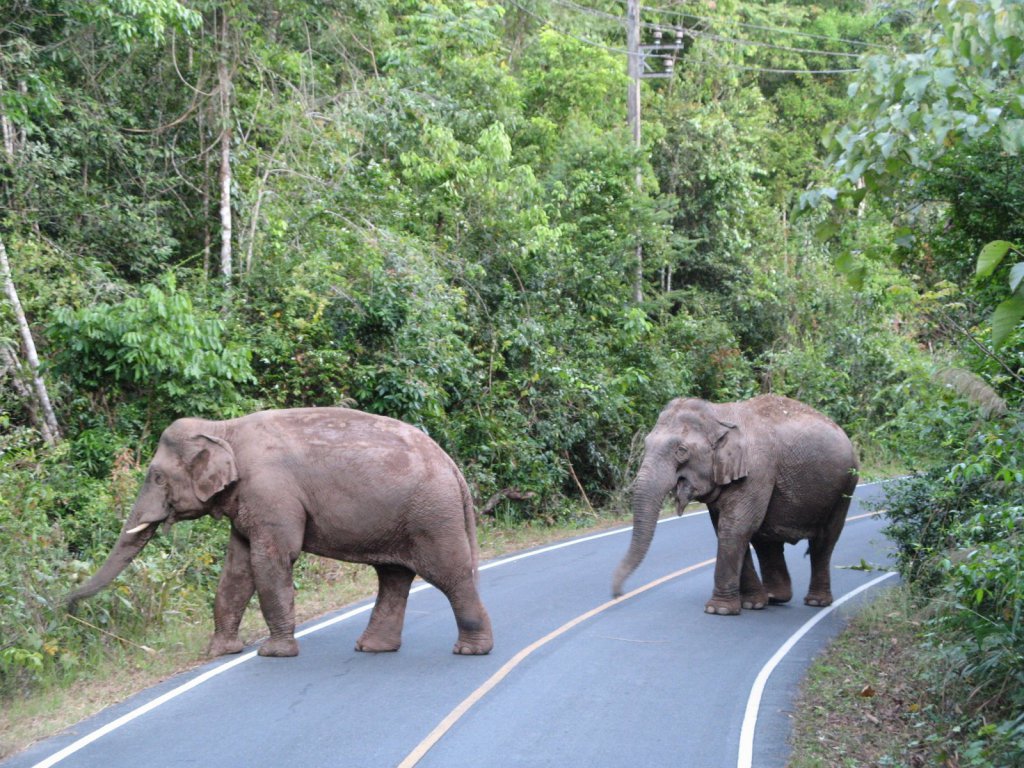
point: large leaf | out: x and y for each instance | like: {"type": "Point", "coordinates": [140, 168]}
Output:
{"type": "Point", "coordinates": [1006, 318]}
{"type": "Point", "coordinates": [1016, 276]}
{"type": "Point", "coordinates": [991, 255]}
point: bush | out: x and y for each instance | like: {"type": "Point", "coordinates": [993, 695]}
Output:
{"type": "Point", "coordinates": [158, 349]}
{"type": "Point", "coordinates": [54, 535]}
{"type": "Point", "coordinates": [960, 542]}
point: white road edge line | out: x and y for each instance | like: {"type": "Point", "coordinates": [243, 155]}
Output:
{"type": "Point", "coordinates": [746, 750]}
{"type": "Point", "coordinates": [195, 682]}
{"type": "Point", "coordinates": [149, 706]}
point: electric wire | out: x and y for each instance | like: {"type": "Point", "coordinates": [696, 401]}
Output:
{"type": "Point", "coordinates": [764, 28]}
{"type": "Point", "coordinates": [693, 33]}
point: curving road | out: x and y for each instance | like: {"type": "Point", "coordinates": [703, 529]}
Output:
{"type": "Point", "coordinates": [575, 678]}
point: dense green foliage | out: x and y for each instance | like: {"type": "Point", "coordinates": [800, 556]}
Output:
{"type": "Point", "coordinates": [436, 209]}
{"type": "Point", "coordinates": [960, 540]}
{"type": "Point", "coordinates": [936, 142]}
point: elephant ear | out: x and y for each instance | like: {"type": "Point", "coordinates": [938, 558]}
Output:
{"type": "Point", "coordinates": [729, 459]}
{"type": "Point", "coordinates": [212, 468]}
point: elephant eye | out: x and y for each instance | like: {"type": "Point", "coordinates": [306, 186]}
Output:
{"type": "Point", "coordinates": [159, 478]}
{"type": "Point", "coordinates": [682, 452]}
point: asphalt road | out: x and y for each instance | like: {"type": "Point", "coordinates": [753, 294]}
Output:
{"type": "Point", "coordinates": [574, 679]}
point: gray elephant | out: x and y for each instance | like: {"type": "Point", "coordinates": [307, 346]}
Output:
{"type": "Point", "coordinates": [771, 471]}
{"type": "Point", "coordinates": [331, 481]}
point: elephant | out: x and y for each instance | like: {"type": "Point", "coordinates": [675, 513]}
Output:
{"type": "Point", "coordinates": [335, 482]}
{"type": "Point", "coordinates": [771, 471]}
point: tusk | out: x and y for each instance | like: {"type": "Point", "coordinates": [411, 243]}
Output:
{"type": "Point", "coordinates": [137, 529]}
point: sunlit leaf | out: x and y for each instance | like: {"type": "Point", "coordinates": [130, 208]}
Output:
{"type": "Point", "coordinates": [1006, 318]}
{"type": "Point", "coordinates": [991, 255]}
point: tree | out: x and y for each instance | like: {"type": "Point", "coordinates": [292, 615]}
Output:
{"type": "Point", "coordinates": [963, 85]}
{"type": "Point", "coordinates": [47, 422]}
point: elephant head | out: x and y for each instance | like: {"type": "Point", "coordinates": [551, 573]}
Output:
{"type": "Point", "coordinates": [691, 451]}
{"type": "Point", "coordinates": [189, 469]}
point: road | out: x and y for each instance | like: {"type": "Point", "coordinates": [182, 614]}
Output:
{"type": "Point", "coordinates": [575, 678]}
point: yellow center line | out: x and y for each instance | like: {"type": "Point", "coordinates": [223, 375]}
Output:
{"type": "Point", "coordinates": [453, 717]}
{"type": "Point", "coordinates": [456, 714]}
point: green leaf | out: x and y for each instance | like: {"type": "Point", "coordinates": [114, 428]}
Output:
{"type": "Point", "coordinates": [916, 84]}
{"type": "Point", "coordinates": [945, 77]}
{"type": "Point", "coordinates": [1006, 318]}
{"type": "Point", "coordinates": [1016, 276]}
{"type": "Point", "coordinates": [991, 255]}
{"type": "Point", "coordinates": [1012, 136]}
{"type": "Point", "coordinates": [826, 230]}
{"type": "Point", "coordinates": [904, 237]}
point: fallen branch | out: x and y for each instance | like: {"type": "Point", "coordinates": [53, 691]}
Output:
{"type": "Point", "coordinates": [512, 494]}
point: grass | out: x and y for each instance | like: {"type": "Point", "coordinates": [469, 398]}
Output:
{"type": "Point", "coordinates": [860, 700]}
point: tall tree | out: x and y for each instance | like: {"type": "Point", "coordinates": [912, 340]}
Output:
{"type": "Point", "coordinates": [47, 419]}
{"type": "Point", "coordinates": [225, 91]}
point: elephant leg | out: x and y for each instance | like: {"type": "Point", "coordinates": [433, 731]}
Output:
{"type": "Point", "coordinates": [819, 593]}
{"type": "Point", "coordinates": [459, 586]}
{"type": "Point", "coordinates": [735, 523]}
{"type": "Point", "coordinates": [384, 632]}
{"type": "Point", "coordinates": [475, 637]}
{"type": "Point", "coordinates": [235, 589]}
{"type": "Point", "coordinates": [753, 595]}
{"type": "Point", "coordinates": [774, 574]}
{"type": "Point", "coordinates": [725, 598]}
{"type": "Point", "coordinates": [272, 555]}
{"type": "Point", "coordinates": [729, 603]}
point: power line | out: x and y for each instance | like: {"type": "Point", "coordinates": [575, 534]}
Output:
{"type": "Point", "coordinates": [694, 33]}
{"type": "Point", "coordinates": [764, 28]}
{"type": "Point", "coordinates": [773, 46]}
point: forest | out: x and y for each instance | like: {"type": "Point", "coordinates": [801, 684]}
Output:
{"type": "Point", "coordinates": [505, 223]}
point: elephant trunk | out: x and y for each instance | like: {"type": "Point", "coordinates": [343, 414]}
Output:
{"type": "Point", "coordinates": [129, 544]}
{"type": "Point", "coordinates": [649, 490]}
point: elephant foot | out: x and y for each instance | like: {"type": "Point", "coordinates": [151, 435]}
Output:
{"type": "Point", "coordinates": [755, 602]}
{"type": "Point", "coordinates": [371, 644]}
{"type": "Point", "coordinates": [480, 647]}
{"type": "Point", "coordinates": [778, 597]}
{"type": "Point", "coordinates": [723, 607]}
{"type": "Point", "coordinates": [279, 647]}
{"type": "Point", "coordinates": [818, 599]}
{"type": "Point", "coordinates": [222, 646]}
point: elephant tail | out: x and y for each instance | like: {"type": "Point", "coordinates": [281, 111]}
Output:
{"type": "Point", "coordinates": [469, 517]}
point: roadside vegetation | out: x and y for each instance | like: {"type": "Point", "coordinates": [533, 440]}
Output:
{"type": "Point", "coordinates": [933, 673]}
{"type": "Point", "coordinates": [436, 211]}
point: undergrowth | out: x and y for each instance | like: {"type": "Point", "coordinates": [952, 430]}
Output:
{"type": "Point", "coordinates": [955, 690]}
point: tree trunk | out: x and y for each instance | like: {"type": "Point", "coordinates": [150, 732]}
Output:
{"type": "Point", "coordinates": [11, 136]}
{"type": "Point", "coordinates": [224, 90]}
{"type": "Point", "coordinates": [48, 423]}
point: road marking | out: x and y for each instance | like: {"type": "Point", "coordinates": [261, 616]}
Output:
{"type": "Point", "coordinates": [745, 758]}
{"type": "Point", "coordinates": [195, 682]}
{"type": "Point", "coordinates": [453, 717]}
{"type": "Point", "coordinates": [582, 540]}
{"type": "Point", "coordinates": [456, 714]}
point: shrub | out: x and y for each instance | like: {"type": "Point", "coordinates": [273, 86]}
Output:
{"type": "Point", "coordinates": [158, 348]}
{"type": "Point", "coordinates": [960, 541]}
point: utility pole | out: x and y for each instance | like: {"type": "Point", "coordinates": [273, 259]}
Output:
{"type": "Point", "coordinates": [635, 70]}
{"type": "Point", "coordinates": [638, 70]}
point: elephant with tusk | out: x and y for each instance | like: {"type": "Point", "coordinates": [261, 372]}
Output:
{"type": "Point", "coordinates": [335, 482]}
{"type": "Point", "coordinates": [771, 471]}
